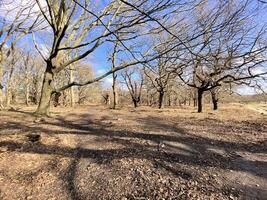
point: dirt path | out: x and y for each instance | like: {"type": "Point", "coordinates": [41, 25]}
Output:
{"type": "Point", "coordinates": [96, 153]}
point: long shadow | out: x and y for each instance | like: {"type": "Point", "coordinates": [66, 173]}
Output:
{"type": "Point", "coordinates": [107, 155]}
{"type": "Point", "coordinates": [201, 157]}
{"type": "Point", "coordinates": [97, 128]}
{"type": "Point", "coordinates": [102, 130]}
{"type": "Point", "coordinates": [69, 176]}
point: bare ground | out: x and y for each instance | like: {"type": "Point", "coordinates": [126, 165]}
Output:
{"type": "Point", "coordinates": [96, 153]}
{"type": "Point", "coordinates": [261, 108]}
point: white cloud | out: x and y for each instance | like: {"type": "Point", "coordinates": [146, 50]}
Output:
{"type": "Point", "coordinates": [108, 80]}
{"type": "Point", "coordinates": [100, 72]}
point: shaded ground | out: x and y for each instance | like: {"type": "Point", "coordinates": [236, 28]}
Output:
{"type": "Point", "coordinates": [97, 153]}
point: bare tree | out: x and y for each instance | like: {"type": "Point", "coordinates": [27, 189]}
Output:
{"type": "Point", "coordinates": [19, 21]}
{"type": "Point", "coordinates": [114, 77]}
{"type": "Point", "coordinates": [134, 80]}
{"type": "Point", "coordinates": [27, 72]}
{"type": "Point", "coordinates": [160, 74]}
{"type": "Point", "coordinates": [81, 27]}
{"type": "Point", "coordinates": [106, 98]}
{"type": "Point", "coordinates": [10, 68]}
{"type": "Point", "coordinates": [233, 53]}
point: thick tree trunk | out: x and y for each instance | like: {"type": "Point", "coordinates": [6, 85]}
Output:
{"type": "Point", "coordinates": [46, 92]}
{"type": "Point", "coordinates": [199, 100]}
{"type": "Point", "coordinates": [161, 98]}
{"type": "Point", "coordinates": [214, 99]}
{"type": "Point", "coordinates": [135, 103]}
{"type": "Point", "coordinates": [114, 103]}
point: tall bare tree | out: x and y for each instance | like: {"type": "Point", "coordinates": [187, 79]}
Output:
{"type": "Point", "coordinates": [83, 27]}
{"type": "Point", "coordinates": [10, 68]}
{"type": "Point", "coordinates": [114, 77]}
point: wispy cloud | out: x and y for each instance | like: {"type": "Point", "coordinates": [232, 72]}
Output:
{"type": "Point", "coordinates": [100, 72]}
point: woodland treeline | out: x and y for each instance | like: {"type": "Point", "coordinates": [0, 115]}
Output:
{"type": "Point", "coordinates": [157, 53]}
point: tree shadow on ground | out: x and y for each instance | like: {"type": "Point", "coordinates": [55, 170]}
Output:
{"type": "Point", "coordinates": [197, 152]}
{"type": "Point", "coordinates": [69, 176]}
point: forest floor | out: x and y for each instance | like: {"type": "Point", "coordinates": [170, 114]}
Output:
{"type": "Point", "coordinates": [92, 152]}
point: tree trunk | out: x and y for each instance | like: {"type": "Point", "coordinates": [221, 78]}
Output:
{"type": "Point", "coordinates": [27, 95]}
{"type": "Point", "coordinates": [161, 96]}
{"type": "Point", "coordinates": [170, 101]}
{"type": "Point", "coordinates": [72, 100]}
{"type": "Point", "coordinates": [114, 103]}
{"type": "Point", "coordinates": [135, 103]}
{"type": "Point", "coordinates": [46, 92]}
{"type": "Point", "coordinates": [1, 91]}
{"type": "Point", "coordinates": [8, 88]}
{"type": "Point", "coordinates": [1, 98]}
{"type": "Point", "coordinates": [8, 94]}
{"type": "Point", "coordinates": [106, 99]}
{"type": "Point", "coordinates": [175, 101]}
{"type": "Point", "coordinates": [1, 80]}
{"type": "Point", "coordinates": [214, 99]}
{"type": "Point", "coordinates": [215, 104]}
{"type": "Point", "coordinates": [34, 95]}
{"type": "Point", "coordinates": [13, 98]}
{"type": "Point", "coordinates": [199, 100]}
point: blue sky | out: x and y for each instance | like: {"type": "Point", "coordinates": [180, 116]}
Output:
{"type": "Point", "coordinates": [99, 58]}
